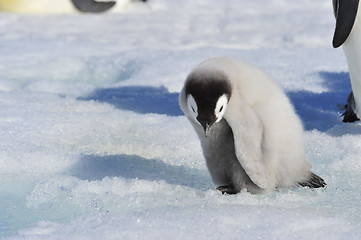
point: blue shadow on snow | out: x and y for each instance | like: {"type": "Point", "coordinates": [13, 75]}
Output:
{"type": "Point", "coordinates": [139, 99]}
{"type": "Point", "coordinates": [319, 111]}
{"type": "Point", "coordinates": [322, 111]}
{"type": "Point", "coordinates": [96, 167]}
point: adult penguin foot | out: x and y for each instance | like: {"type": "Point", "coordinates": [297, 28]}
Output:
{"type": "Point", "coordinates": [349, 115]}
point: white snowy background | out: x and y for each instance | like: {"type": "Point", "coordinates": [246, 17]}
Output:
{"type": "Point", "coordinates": [93, 144]}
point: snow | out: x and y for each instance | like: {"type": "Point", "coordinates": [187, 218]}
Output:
{"type": "Point", "coordinates": [94, 146]}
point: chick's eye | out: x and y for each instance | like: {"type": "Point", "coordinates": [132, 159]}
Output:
{"type": "Point", "coordinates": [192, 106]}
{"type": "Point", "coordinates": [221, 106]}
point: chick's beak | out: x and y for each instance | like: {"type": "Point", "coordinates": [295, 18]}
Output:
{"type": "Point", "coordinates": [205, 126]}
{"type": "Point", "coordinates": [207, 121]}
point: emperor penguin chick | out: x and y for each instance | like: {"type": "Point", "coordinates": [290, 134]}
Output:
{"type": "Point", "coordinates": [249, 132]}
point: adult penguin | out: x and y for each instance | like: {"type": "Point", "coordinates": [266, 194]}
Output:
{"type": "Point", "coordinates": [348, 34]}
{"type": "Point", "coordinates": [60, 6]}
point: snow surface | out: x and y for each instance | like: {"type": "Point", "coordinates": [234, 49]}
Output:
{"type": "Point", "coordinates": [94, 146]}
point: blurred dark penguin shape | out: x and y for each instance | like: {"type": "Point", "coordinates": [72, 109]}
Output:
{"type": "Point", "coordinates": [61, 6]}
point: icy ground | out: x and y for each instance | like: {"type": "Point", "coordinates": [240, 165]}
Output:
{"type": "Point", "coordinates": [94, 146]}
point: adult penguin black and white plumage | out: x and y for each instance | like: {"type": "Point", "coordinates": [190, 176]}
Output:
{"type": "Point", "coordinates": [348, 34]}
{"type": "Point", "coordinates": [249, 132]}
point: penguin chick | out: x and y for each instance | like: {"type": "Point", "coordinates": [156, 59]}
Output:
{"type": "Point", "coordinates": [348, 34]}
{"type": "Point", "coordinates": [250, 135]}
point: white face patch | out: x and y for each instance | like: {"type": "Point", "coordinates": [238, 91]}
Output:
{"type": "Point", "coordinates": [221, 107]}
{"type": "Point", "coordinates": [192, 106]}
